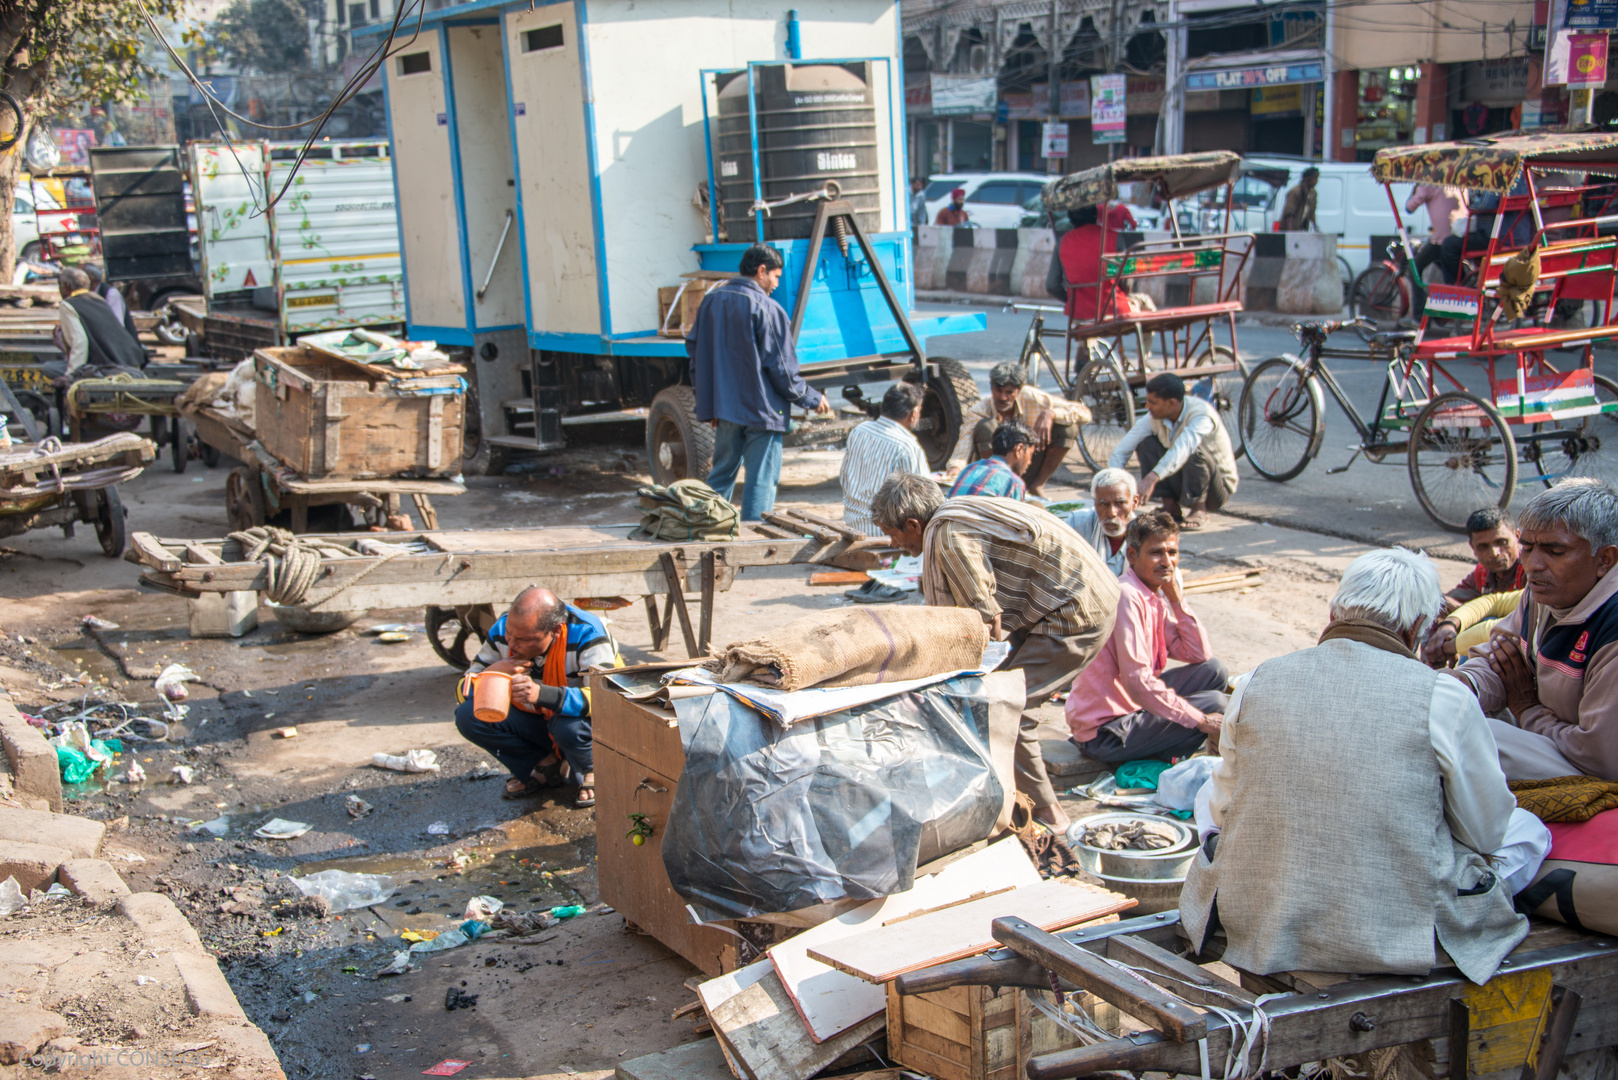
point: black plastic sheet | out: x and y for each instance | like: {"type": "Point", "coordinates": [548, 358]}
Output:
{"type": "Point", "coordinates": [844, 806]}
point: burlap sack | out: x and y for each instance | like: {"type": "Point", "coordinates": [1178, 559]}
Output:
{"type": "Point", "coordinates": [858, 647]}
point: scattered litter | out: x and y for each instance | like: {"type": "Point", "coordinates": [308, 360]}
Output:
{"type": "Point", "coordinates": [602, 909]}
{"type": "Point", "coordinates": [529, 922]}
{"type": "Point", "coordinates": [171, 682]}
{"type": "Point", "coordinates": [397, 998]}
{"type": "Point", "coordinates": [11, 897]}
{"type": "Point", "coordinates": [219, 826]}
{"type": "Point", "coordinates": [271, 933]}
{"type": "Point", "coordinates": [346, 891]}
{"type": "Point", "coordinates": [447, 1067]}
{"type": "Point", "coordinates": [351, 969]}
{"type": "Point", "coordinates": [395, 628]}
{"type": "Point", "coordinates": [363, 1048]}
{"type": "Point", "coordinates": [454, 999]}
{"type": "Point", "coordinates": [568, 911]}
{"type": "Point", "coordinates": [357, 807]}
{"type": "Point", "coordinates": [310, 997]}
{"type": "Point", "coordinates": [77, 754]}
{"type": "Point", "coordinates": [457, 861]}
{"type": "Point", "coordinates": [414, 936]}
{"type": "Point", "coordinates": [97, 624]}
{"type": "Point", "coordinates": [128, 856]}
{"type": "Point", "coordinates": [393, 637]}
{"type": "Point", "coordinates": [438, 828]}
{"type": "Point", "coordinates": [484, 771]}
{"type": "Point", "coordinates": [181, 774]}
{"type": "Point", "coordinates": [416, 761]}
{"type": "Point", "coordinates": [282, 829]}
{"type": "Point", "coordinates": [284, 733]}
{"type": "Point", "coordinates": [482, 908]}
{"type": "Point", "coordinates": [134, 774]}
{"type": "Point", "coordinates": [142, 980]}
{"type": "Point", "coordinates": [449, 939]}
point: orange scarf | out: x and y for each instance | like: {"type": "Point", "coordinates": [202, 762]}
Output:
{"type": "Point", "coordinates": [555, 671]}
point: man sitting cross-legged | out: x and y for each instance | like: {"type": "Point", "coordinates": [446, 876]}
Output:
{"type": "Point", "coordinates": [1128, 705]}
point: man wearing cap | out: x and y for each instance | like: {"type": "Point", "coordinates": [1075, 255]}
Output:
{"type": "Point", "coordinates": [955, 213]}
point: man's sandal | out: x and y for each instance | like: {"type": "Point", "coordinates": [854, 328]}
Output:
{"type": "Point", "coordinates": [581, 801]}
{"type": "Point", "coordinates": [530, 787]}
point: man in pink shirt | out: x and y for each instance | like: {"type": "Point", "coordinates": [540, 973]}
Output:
{"type": "Point", "coordinates": [1446, 210]}
{"type": "Point", "coordinates": [1125, 706]}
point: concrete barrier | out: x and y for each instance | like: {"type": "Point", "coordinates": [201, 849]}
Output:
{"type": "Point", "coordinates": [1292, 273]}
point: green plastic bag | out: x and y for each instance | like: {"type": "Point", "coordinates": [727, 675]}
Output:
{"type": "Point", "coordinates": [76, 767]}
{"type": "Point", "coordinates": [1140, 775]}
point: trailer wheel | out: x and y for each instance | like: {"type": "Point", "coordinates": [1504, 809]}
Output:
{"type": "Point", "coordinates": [951, 396]}
{"type": "Point", "coordinates": [179, 444]}
{"type": "Point", "coordinates": [453, 635]}
{"type": "Point", "coordinates": [244, 502]}
{"type": "Point", "coordinates": [678, 445]}
{"type": "Point", "coordinates": [109, 522]}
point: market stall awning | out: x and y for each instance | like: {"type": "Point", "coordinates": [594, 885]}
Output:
{"type": "Point", "coordinates": [1181, 174]}
{"type": "Point", "coordinates": [1493, 163]}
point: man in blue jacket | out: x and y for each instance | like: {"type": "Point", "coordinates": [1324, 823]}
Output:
{"type": "Point", "coordinates": [744, 369]}
{"type": "Point", "coordinates": [548, 715]}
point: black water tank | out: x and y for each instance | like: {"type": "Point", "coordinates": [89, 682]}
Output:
{"type": "Point", "coordinates": [816, 122]}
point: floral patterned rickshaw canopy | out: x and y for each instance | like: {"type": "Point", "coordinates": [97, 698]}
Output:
{"type": "Point", "coordinates": [1494, 162]}
{"type": "Point", "coordinates": [1181, 174]}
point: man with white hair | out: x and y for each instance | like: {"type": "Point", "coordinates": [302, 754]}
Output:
{"type": "Point", "coordinates": [1554, 661]}
{"type": "Point", "coordinates": [1358, 819]}
{"type": "Point", "coordinates": [1105, 523]}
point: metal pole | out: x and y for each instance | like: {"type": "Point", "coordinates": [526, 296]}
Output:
{"type": "Point", "coordinates": [1054, 81]}
{"type": "Point", "coordinates": [1328, 138]}
{"type": "Point", "coordinates": [752, 133]}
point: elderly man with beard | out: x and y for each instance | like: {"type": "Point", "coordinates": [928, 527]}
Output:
{"type": "Point", "coordinates": [1105, 523]}
{"type": "Point", "coordinates": [1554, 661]}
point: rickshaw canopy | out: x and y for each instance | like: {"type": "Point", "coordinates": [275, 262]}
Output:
{"type": "Point", "coordinates": [1180, 174]}
{"type": "Point", "coordinates": [1495, 162]}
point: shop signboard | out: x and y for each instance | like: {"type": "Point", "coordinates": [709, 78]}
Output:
{"type": "Point", "coordinates": [1074, 102]}
{"type": "Point", "coordinates": [1019, 105]}
{"type": "Point", "coordinates": [1278, 100]}
{"type": "Point", "coordinates": [1501, 82]}
{"type": "Point", "coordinates": [1310, 71]}
{"type": "Point", "coordinates": [1109, 113]}
{"type": "Point", "coordinates": [1587, 60]}
{"type": "Point", "coordinates": [1591, 15]}
{"type": "Point", "coordinates": [1556, 48]}
{"type": "Point", "coordinates": [1053, 140]}
{"type": "Point", "coordinates": [955, 95]}
{"type": "Point", "coordinates": [1145, 95]}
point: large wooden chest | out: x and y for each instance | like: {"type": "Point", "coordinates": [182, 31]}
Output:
{"type": "Point", "coordinates": [325, 417]}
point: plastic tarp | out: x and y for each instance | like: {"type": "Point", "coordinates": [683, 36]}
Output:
{"type": "Point", "coordinates": [1494, 162]}
{"type": "Point", "coordinates": [843, 806]}
{"type": "Point", "coordinates": [1181, 175]}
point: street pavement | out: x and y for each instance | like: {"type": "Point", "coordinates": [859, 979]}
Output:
{"type": "Point", "coordinates": [1370, 503]}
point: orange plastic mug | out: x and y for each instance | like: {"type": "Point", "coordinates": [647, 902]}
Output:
{"type": "Point", "coordinates": [491, 696]}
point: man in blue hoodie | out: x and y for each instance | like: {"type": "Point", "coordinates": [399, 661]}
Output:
{"type": "Point", "coordinates": [744, 369]}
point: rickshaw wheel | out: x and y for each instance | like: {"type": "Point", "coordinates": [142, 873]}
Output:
{"type": "Point", "coordinates": [1223, 391]}
{"type": "Point", "coordinates": [1282, 419]}
{"type": "Point", "coordinates": [945, 408]}
{"type": "Point", "coordinates": [1462, 458]}
{"type": "Point", "coordinates": [1586, 446]}
{"type": "Point", "coordinates": [1381, 296]}
{"type": "Point", "coordinates": [1104, 390]}
{"type": "Point", "coordinates": [109, 522]}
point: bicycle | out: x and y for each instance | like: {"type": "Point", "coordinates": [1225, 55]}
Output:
{"type": "Point", "coordinates": [1459, 452]}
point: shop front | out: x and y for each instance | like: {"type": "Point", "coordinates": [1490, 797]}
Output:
{"type": "Point", "coordinates": [1232, 103]}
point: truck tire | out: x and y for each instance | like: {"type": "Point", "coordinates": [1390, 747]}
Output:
{"type": "Point", "coordinates": [678, 445]}
{"type": "Point", "coordinates": [952, 394]}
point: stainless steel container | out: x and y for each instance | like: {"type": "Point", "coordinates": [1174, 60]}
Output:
{"type": "Point", "coordinates": [1152, 878]}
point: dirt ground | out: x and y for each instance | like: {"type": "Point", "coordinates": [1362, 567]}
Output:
{"type": "Point", "coordinates": [569, 1001]}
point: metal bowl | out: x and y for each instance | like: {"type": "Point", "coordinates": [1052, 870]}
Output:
{"type": "Point", "coordinates": [1166, 864]}
{"type": "Point", "coordinates": [1151, 896]}
{"type": "Point", "coordinates": [303, 621]}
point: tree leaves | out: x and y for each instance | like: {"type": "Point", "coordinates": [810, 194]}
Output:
{"type": "Point", "coordinates": [266, 35]}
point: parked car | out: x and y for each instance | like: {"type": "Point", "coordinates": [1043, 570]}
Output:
{"type": "Point", "coordinates": [24, 225]}
{"type": "Point", "coordinates": [1348, 202]}
{"type": "Point", "coordinates": [993, 200]}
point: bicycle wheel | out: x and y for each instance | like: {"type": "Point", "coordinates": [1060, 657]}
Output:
{"type": "Point", "coordinates": [1346, 272]}
{"type": "Point", "coordinates": [1583, 446]}
{"type": "Point", "coordinates": [1282, 419]}
{"type": "Point", "coordinates": [1223, 391]}
{"type": "Point", "coordinates": [1381, 295]}
{"type": "Point", "coordinates": [1105, 391]}
{"type": "Point", "coordinates": [1462, 458]}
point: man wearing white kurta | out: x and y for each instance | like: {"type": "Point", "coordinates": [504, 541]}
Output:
{"type": "Point", "coordinates": [1358, 819]}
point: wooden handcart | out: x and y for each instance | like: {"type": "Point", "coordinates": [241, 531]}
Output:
{"type": "Point", "coordinates": [1102, 331]}
{"type": "Point", "coordinates": [50, 485]}
{"type": "Point", "coordinates": [154, 396]}
{"type": "Point", "coordinates": [463, 578]}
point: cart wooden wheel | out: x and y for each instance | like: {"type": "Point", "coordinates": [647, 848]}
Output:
{"type": "Point", "coordinates": [453, 637]}
{"type": "Point", "coordinates": [1462, 458]}
{"type": "Point", "coordinates": [1581, 446]}
{"type": "Point", "coordinates": [111, 529]}
{"type": "Point", "coordinates": [678, 445]}
{"type": "Point", "coordinates": [210, 454]}
{"type": "Point", "coordinates": [179, 444]}
{"type": "Point", "coordinates": [244, 502]}
{"type": "Point", "coordinates": [1223, 391]}
{"type": "Point", "coordinates": [946, 406]}
{"type": "Point", "coordinates": [1282, 417]}
{"type": "Point", "coordinates": [1105, 391]}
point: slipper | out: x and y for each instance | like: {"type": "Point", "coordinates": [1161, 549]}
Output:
{"type": "Point", "coordinates": [583, 803]}
{"type": "Point", "coordinates": [548, 776]}
{"type": "Point", "coordinates": [1195, 520]}
{"type": "Point", "coordinates": [529, 788]}
{"type": "Point", "coordinates": [882, 594]}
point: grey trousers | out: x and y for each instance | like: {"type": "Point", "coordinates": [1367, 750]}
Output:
{"type": "Point", "coordinates": [1139, 735]}
{"type": "Point", "coordinates": [1197, 481]}
{"type": "Point", "coordinates": [1049, 664]}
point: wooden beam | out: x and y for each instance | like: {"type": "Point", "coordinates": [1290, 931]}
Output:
{"type": "Point", "coordinates": [1143, 954]}
{"type": "Point", "coordinates": [672, 574]}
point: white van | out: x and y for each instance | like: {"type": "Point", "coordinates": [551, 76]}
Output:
{"type": "Point", "coordinates": [1348, 202]}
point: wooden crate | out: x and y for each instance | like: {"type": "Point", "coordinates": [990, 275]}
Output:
{"type": "Point", "coordinates": [970, 1032]}
{"type": "Point", "coordinates": [689, 295]}
{"type": "Point", "coordinates": [638, 759]}
{"type": "Point", "coordinates": [325, 418]}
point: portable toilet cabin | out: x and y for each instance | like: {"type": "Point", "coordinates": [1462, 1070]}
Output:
{"type": "Point", "coordinates": [323, 256]}
{"type": "Point", "coordinates": [554, 164]}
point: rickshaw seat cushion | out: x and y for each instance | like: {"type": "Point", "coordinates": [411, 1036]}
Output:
{"type": "Point", "coordinates": [1153, 320]}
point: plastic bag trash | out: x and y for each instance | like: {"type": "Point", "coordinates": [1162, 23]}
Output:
{"type": "Point", "coordinates": [482, 908]}
{"type": "Point", "coordinates": [181, 774]}
{"type": "Point", "coordinates": [134, 774]}
{"type": "Point", "coordinates": [11, 897]}
{"type": "Point", "coordinates": [219, 826]}
{"type": "Point", "coordinates": [57, 891]}
{"type": "Point", "coordinates": [416, 761]}
{"type": "Point", "coordinates": [171, 682]}
{"type": "Point", "coordinates": [85, 755]}
{"type": "Point", "coordinates": [345, 891]}
{"type": "Point", "coordinates": [449, 939]}
{"type": "Point", "coordinates": [76, 768]}
{"type": "Point", "coordinates": [474, 929]}
{"type": "Point", "coordinates": [568, 911]}
{"type": "Point", "coordinates": [1177, 788]}
{"type": "Point", "coordinates": [282, 829]}
{"type": "Point", "coordinates": [438, 828]}
{"type": "Point", "coordinates": [357, 807]}
{"type": "Point", "coordinates": [97, 624]}
{"type": "Point", "coordinates": [483, 770]}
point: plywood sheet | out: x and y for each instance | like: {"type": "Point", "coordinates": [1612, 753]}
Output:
{"type": "Point", "coordinates": [763, 1029]}
{"type": "Point", "coordinates": [831, 1001]}
{"type": "Point", "coordinates": [878, 955]}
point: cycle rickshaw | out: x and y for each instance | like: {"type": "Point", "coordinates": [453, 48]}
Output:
{"type": "Point", "coordinates": [1545, 409]}
{"type": "Point", "coordinates": [1196, 279]}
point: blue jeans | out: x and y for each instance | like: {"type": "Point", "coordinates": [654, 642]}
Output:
{"type": "Point", "coordinates": [760, 451]}
{"type": "Point", "coordinates": [523, 739]}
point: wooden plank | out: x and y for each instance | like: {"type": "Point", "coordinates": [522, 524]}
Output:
{"type": "Point", "coordinates": [1164, 1012]}
{"type": "Point", "coordinates": [1143, 954]}
{"type": "Point", "coordinates": [146, 551]}
{"type": "Point", "coordinates": [886, 953]}
{"type": "Point", "coordinates": [839, 577]}
{"type": "Point", "coordinates": [945, 1023]}
{"type": "Point", "coordinates": [766, 1032]}
{"type": "Point", "coordinates": [198, 554]}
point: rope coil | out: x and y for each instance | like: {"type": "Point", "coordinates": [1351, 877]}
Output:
{"type": "Point", "coordinates": [292, 563]}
